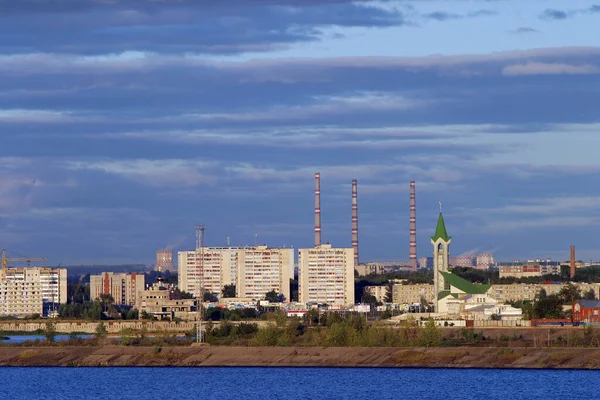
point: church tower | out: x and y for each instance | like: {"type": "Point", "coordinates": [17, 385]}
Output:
{"type": "Point", "coordinates": [441, 243]}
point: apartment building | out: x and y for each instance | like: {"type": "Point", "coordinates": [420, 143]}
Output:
{"type": "Point", "coordinates": [124, 288]}
{"type": "Point", "coordinates": [408, 294]}
{"type": "Point", "coordinates": [369, 269]}
{"type": "Point", "coordinates": [32, 290]}
{"type": "Point", "coordinates": [160, 301]}
{"type": "Point", "coordinates": [326, 275]}
{"type": "Point", "coordinates": [261, 269]}
{"type": "Point", "coordinates": [379, 292]}
{"type": "Point", "coordinates": [519, 271]}
{"type": "Point", "coordinates": [517, 292]}
{"type": "Point", "coordinates": [211, 267]}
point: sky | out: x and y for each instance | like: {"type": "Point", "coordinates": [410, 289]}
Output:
{"type": "Point", "coordinates": [126, 123]}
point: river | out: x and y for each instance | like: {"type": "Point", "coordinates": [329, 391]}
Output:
{"type": "Point", "coordinates": [293, 383]}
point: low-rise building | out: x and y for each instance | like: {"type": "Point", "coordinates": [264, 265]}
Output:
{"type": "Point", "coordinates": [379, 292]}
{"type": "Point", "coordinates": [369, 269]}
{"type": "Point", "coordinates": [586, 311]}
{"type": "Point", "coordinates": [520, 271]}
{"type": "Point", "coordinates": [124, 288]}
{"type": "Point", "coordinates": [529, 292]}
{"type": "Point", "coordinates": [412, 293]}
{"type": "Point", "coordinates": [160, 302]}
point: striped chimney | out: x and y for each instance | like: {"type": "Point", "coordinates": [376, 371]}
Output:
{"type": "Point", "coordinates": [413, 227]}
{"type": "Point", "coordinates": [572, 266]}
{"type": "Point", "coordinates": [355, 221]}
{"type": "Point", "coordinates": [317, 209]}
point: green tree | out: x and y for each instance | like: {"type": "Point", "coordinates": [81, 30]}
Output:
{"type": "Point", "coordinates": [228, 291]}
{"type": "Point", "coordinates": [208, 296]}
{"type": "Point", "coordinates": [590, 295]}
{"type": "Point", "coordinates": [542, 294]}
{"type": "Point", "coordinates": [272, 296]}
{"type": "Point", "coordinates": [107, 300]}
{"type": "Point", "coordinates": [50, 331]}
{"type": "Point", "coordinates": [389, 298]}
{"type": "Point", "coordinates": [430, 335]}
{"type": "Point", "coordinates": [311, 317]}
{"type": "Point", "coordinates": [132, 314]}
{"type": "Point", "coordinates": [569, 294]}
{"type": "Point", "coordinates": [280, 318]}
{"type": "Point", "coordinates": [550, 307]}
{"type": "Point", "coordinates": [101, 331]}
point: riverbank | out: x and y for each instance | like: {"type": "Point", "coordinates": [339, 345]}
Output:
{"type": "Point", "coordinates": [209, 356]}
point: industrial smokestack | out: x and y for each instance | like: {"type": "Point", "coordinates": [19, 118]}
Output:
{"type": "Point", "coordinates": [413, 227]}
{"type": "Point", "coordinates": [317, 209]}
{"type": "Point", "coordinates": [572, 266]}
{"type": "Point", "coordinates": [355, 221]}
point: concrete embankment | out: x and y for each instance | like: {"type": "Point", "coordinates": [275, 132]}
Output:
{"type": "Point", "coordinates": [457, 357]}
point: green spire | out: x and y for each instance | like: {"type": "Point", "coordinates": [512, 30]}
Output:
{"type": "Point", "coordinates": [440, 230]}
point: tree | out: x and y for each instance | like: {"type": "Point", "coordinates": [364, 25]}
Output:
{"type": "Point", "coordinates": [280, 318]}
{"type": "Point", "coordinates": [50, 331]}
{"type": "Point", "coordinates": [101, 331]}
{"type": "Point", "coordinates": [590, 295]}
{"type": "Point", "coordinates": [228, 291]}
{"type": "Point", "coordinates": [107, 300]}
{"type": "Point", "coordinates": [431, 335]}
{"type": "Point", "coordinates": [550, 307]}
{"type": "Point", "coordinates": [272, 296]}
{"type": "Point", "coordinates": [389, 298]}
{"type": "Point", "coordinates": [542, 294]}
{"type": "Point", "coordinates": [208, 296]}
{"type": "Point", "coordinates": [569, 294]}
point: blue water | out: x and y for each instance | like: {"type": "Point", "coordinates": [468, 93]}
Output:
{"type": "Point", "coordinates": [21, 339]}
{"type": "Point", "coordinates": [294, 383]}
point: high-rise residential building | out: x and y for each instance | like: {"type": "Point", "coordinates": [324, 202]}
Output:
{"type": "Point", "coordinates": [32, 290]}
{"type": "Point", "coordinates": [164, 261]}
{"type": "Point", "coordinates": [253, 270]}
{"type": "Point", "coordinates": [261, 269]}
{"type": "Point", "coordinates": [124, 288]}
{"type": "Point", "coordinates": [211, 267]}
{"type": "Point", "coordinates": [326, 275]}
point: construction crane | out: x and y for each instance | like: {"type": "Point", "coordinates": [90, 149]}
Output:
{"type": "Point", "coordinates": [27, 260]}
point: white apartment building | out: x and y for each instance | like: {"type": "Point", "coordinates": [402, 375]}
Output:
{"type": "Point", "coordinates": [253, 270]}
{"type": "Point", "coordinates": [261, 270]}
{"type": "Point", "coordinates": [124, 288]}
{"type": "Point", "coordinates": [326, 275]}
{"type": "Point", "coordinates": [213, 267]}
{"type": "Point", "coordinates": [24, 291]}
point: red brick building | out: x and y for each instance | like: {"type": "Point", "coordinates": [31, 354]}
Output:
{"type": "Point", "coordinates": [586, 311]}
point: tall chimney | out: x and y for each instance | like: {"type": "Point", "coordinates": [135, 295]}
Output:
{"type": "Point", "coordinates": [572, 269]}
{"type": "Point", "coordinates": [317, 209]}
{"type": "Point", "coordinates": [355, 221]}
{"type": "Point", "coordinates": [413, 227]}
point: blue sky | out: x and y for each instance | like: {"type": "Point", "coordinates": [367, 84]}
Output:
{"type": "Point", "coordinates": [124, 124]}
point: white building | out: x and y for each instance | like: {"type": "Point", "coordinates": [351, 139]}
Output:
{"type": "Point", "coordinates": [24, 291]}
{"type": "Point", "coordinates": [261, 270]}
{"type": "Point", "coordinates": [326, 275]}
{"type": "Point", "coordinates": [124, 288]}
{"type": "Point", "coordinates": [253, 270]}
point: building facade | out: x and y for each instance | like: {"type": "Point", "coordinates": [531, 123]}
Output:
{"type": "Point", "coordinates": [326, 275]}
{"type": "Point", "coordinates": [164, 261]}
{"type": "Point", "coordinates": [261, 269]}
{"type": "Point", "coordinates": [519, 271]}
{"type": "Point", "coordinates": [160, 302]}
{"type": "Point", "coordinates": [379, 292]}
{"type": "Point", "coordinates": [32, 290]}
{"type": "Point", "coordinates": [209, 267]}
{"type": "Point", "coordinates": [408, 294]}
{"type": "Point", "coordinates": [369, 269]}
{"type": "Point", "coordinates": [124, 288]}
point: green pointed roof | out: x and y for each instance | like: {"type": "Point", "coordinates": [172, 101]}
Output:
{"type": "Point", "coordinates": [440, 230]}
{"type": "Point", "coordinates": [463, 284]}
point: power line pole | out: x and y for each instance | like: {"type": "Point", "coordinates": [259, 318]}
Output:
{"type": "Point", "coordinates": [200, 280]}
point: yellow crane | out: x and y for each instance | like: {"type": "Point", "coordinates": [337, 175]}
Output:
{"type": "Point", "coordinates": [27, 260]}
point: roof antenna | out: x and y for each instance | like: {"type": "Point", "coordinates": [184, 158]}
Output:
{"type": "Point", "coordinates": [440, 206]}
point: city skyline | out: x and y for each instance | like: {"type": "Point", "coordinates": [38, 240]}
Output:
{"type": "Point", "coordinates": [147, 119]}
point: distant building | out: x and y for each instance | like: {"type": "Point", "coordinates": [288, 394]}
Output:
{"type": "Point", "coordinates": [164, 261]}
{"type": "Point", "coordinates": [426, 262]}
{"type": "Point", "coordinates": [253, 270]}
{"type": "Point", "coordinates": [586, 311]}
{"type": "Point", "coordinates": [379, 292]}
{"type": "Point", "coordinates": [519, 271]}
{"type": "Point", "coordinates": [32, 290]}
{"type": "Point", "coordinates": [408, 294]}
{"type": "Point", "coordinates": [326, 275]}
{"type": "Point", "coordinates": [160, 302]}
{"type": "Point", "coordinates": [370, 269]}
{"type": "Point", "coordinates": [262, 270]}
{"type": "Point", "coordinates": [124, 288]}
